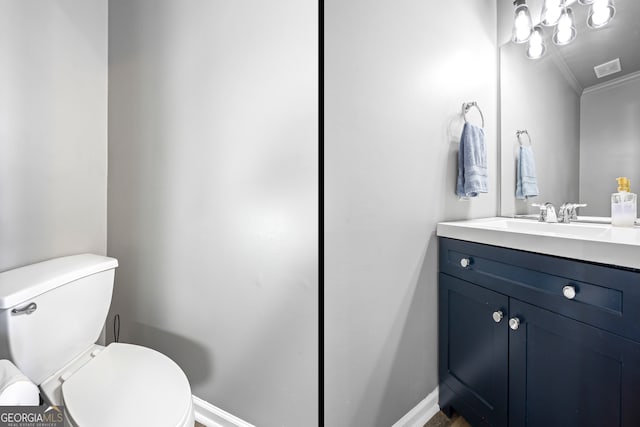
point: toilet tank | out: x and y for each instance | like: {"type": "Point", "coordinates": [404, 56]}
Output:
{"type": "Point", "coordinates": [50, 312]}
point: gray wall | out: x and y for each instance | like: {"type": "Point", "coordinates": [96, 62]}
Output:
{"type": "Point", "coordinates": [538, 96]}
{"type": "Point", "coordinates": [53, 129]}
{"type": "Point", "coordinates": [609, 129]}
{"type": "Point", "coordinates": [213, 200]}
{"type": "Point", "coordinates": [396, 75]}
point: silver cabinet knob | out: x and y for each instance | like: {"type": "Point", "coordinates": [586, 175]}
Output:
{"type": "Point", "coordinates": [514, 323]}
{"type": "Point", "coordinates": [465, 262]}
{"type": "Point", "coordinates": [569, 292]}
{"type": "Point", "coordinates": [497, 316]}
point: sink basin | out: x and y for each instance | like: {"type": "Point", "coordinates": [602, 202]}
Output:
{"type": "Point", "coordinates": [601, 243]}
{"type": "Point", "coordinates": [544, 228]}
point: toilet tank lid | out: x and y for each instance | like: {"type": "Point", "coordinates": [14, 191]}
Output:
{"type": "Point", "coordinates": [21, 284]}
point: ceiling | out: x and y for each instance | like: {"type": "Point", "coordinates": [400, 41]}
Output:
{"type": "Point", "coordinates": [618, 39]}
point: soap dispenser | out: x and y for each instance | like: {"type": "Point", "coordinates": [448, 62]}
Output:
{"type": "Point", "coordinates": [623, 204]}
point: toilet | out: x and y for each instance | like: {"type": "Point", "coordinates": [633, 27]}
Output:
{"type": "Point", "coordinates": [51, 315]}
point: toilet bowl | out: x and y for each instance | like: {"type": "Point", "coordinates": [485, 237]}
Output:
{"type": "Point", "coordinates": [51, 315]}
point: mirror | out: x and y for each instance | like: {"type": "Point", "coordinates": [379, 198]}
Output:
{"type": "Point", "coordinates": [585, 130]}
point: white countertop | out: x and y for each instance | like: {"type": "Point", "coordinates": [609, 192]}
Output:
{"type": "Point", "coordinates": [601, 243]}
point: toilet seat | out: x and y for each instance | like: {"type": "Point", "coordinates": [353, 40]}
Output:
{"type": "Point", "coordinates": [128, 385]}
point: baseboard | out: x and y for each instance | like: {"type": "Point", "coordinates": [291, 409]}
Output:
{"type": "Point", "coordinates": [212, 416]}
{"type": "Point", "coordinates": [421, 413]}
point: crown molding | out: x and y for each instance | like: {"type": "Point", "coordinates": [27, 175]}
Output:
{"type": "Point", "coordinates": [612, 83]}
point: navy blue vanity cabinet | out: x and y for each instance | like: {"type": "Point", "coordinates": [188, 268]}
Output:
{"type": "Point", "coordinates": [473, 351]}
{"type": "Point", "coordinates": [535, 340]}
{"type": "Point", "coordinates": [565, 373]}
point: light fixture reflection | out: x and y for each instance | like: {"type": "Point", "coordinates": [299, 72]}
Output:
{"type": "Point", "coordinates": [557, 14]}
{"type": "Point", "coordinates": [537, 47]}
{"type": "Point", "coordinates": [601, 13]}
{"type": "Point", "coordinates": [565, 31]}
{"type": "Point", "coordinates": [551, 11]}
{"type": "Point", "coordinates": [522, 24]}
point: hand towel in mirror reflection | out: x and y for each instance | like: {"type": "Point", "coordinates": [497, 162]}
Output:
{"type": "Point", "coordinates": [526, 180]}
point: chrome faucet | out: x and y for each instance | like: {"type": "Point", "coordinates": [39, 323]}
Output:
{"type": "Point", "coordinates": [569, 212]}
{"type": "Point", "coordinates": [547, 212]}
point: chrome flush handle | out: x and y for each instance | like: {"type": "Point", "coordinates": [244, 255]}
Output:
{"type": "Point", "coordinates": [30, 308]}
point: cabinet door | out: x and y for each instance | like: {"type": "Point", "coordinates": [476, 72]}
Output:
{"type": "Point", "coordinates": [566, 373]}
{"type": "Point", "coordinates": [473, 351]}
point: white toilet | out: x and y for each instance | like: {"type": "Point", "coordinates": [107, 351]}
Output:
{"type": "Point", "coordinates": [51, 314]}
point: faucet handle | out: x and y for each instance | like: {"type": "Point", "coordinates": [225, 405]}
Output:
{"type": "Point", "coordinates": [574, 209]}
{"type": "Point", "coordinates": [543, 211]}
{"type": "Point", "coordinates": [547, 212]}
{"type": "Point", "coordinates": [565, 212]}
{"type": "Point", "coordinates": [551, 212]}
{"type": "Point", "coordinates": [569, 211]}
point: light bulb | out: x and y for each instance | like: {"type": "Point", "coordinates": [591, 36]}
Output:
{"type": "Point", "coordinates": [551, 16]}
{"type": "Point", "coordinates": [564, 35]}
{"type": "Point", "coordinates": [600, 17]}
{"type": "Point", "coordinates": [564, 23]}
{"type": "Point", "coordinates": [535, 51]}
{"type": "Point", "coordinates": [565, 30]}
{"type": "Point", "coordinates": [522, 24]}
{"type": "Point", "coordinates": [601, 13]}
{"type": "Point", "coordinates": [536, 47]}
{"type": "Point", "coordinates": [523, 30]}
{"type": "Point", "coordinates": [536, 38]}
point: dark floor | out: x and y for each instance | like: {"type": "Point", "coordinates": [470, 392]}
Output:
{"type": "Point", "coordinates": [199, 425]}
{"type": "Point", "coordinates": [441, 420]}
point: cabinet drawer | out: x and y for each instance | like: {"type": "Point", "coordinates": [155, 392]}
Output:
{"type": "Point", "coordinates": [605, 296]}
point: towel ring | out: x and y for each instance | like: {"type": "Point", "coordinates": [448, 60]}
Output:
{"type": "Point", "coordinates": [523, 132]}
{"type": "Point", "coordinates": [466, 106]}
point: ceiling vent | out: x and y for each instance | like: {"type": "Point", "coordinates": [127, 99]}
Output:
{"type": "Point", "coordinates": [607, 68]}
